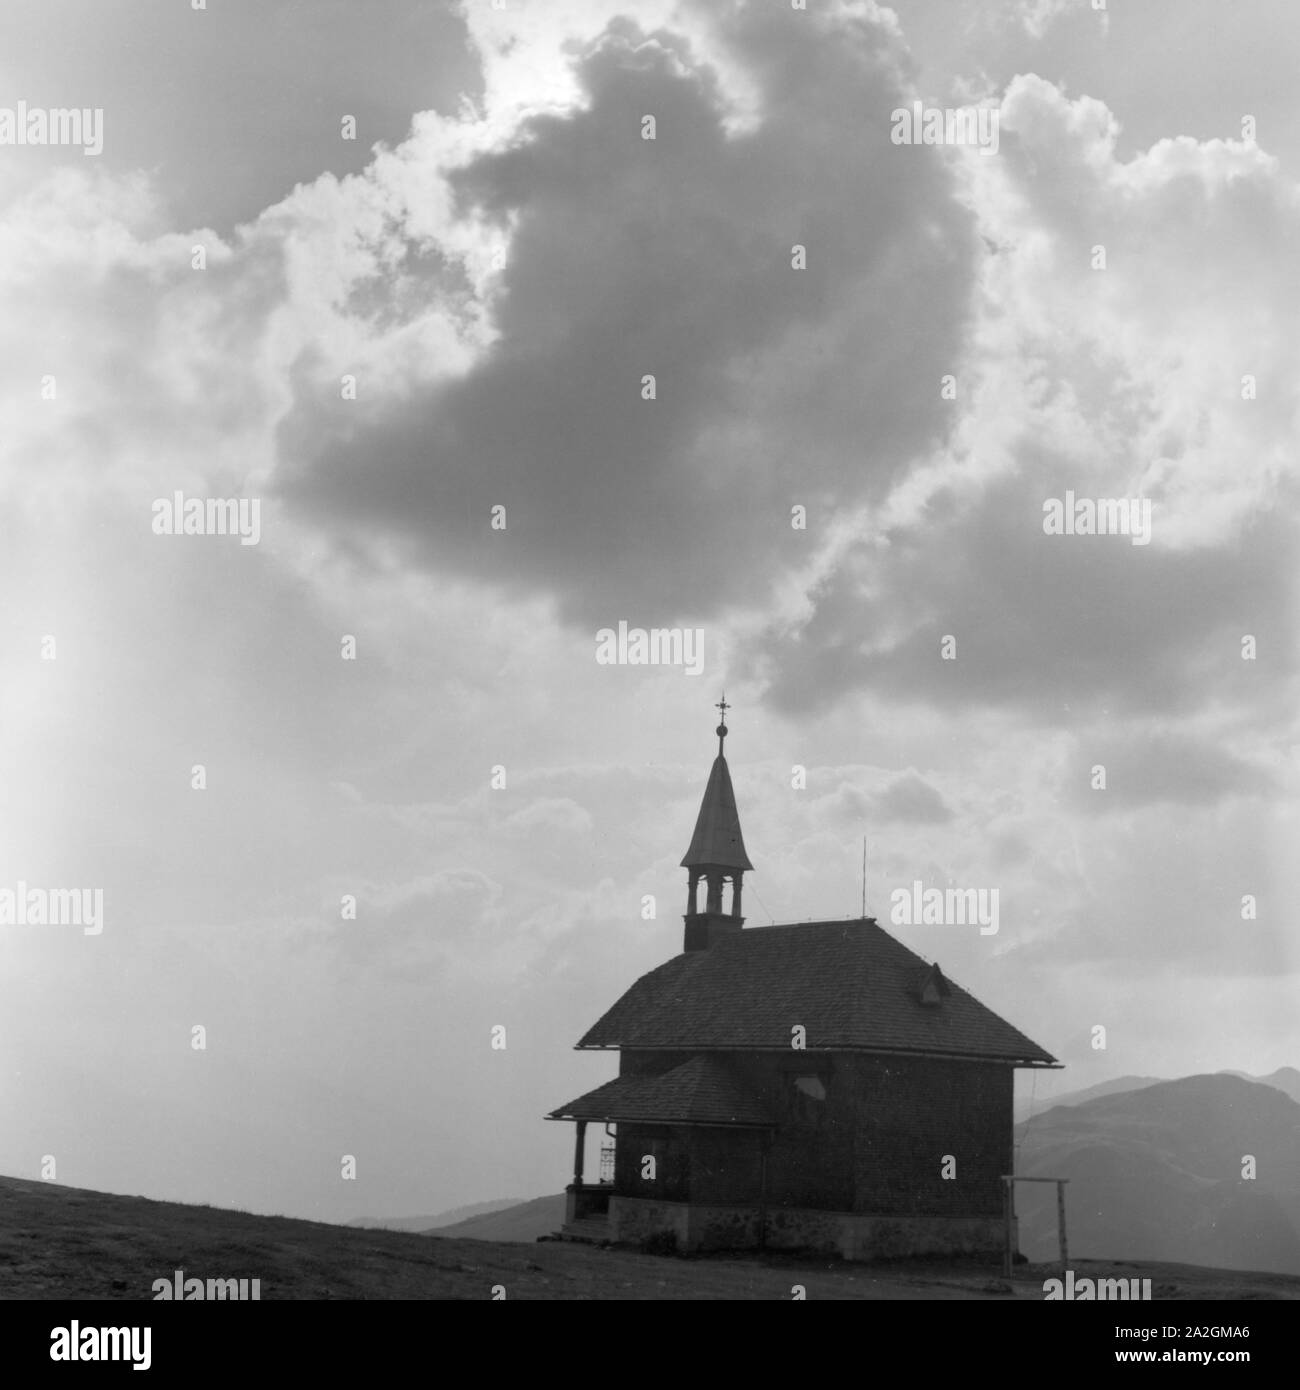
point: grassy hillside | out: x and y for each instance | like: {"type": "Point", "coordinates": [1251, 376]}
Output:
{"type": "Point", "coordinates": [58, 1242]}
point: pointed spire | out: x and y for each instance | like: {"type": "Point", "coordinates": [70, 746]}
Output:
{"type": "Point", "coordinates": [717, 842]}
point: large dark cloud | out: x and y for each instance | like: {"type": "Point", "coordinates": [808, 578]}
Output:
{"type": "Point", "coordinates": [672, 257]}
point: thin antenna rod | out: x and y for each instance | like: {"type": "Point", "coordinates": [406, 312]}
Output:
{"type": "Point", "coordinates": [864, 877]}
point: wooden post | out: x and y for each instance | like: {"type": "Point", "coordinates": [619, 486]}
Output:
{"type": "Point", "coordinates": [1008, 1208]}
{"type": "Point", "coordinates": [579, 1153]}
{"type": "Point", "coordinates": [764, 1141]}
{"type": "Point", "coordinates": [1060, 1225]}
{"type": "Point", "coordinates": [1008, 1204]}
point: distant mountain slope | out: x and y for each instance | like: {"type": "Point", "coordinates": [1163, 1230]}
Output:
{"type": "Point", "coordinates": [1156, 1174]}
{"type": "Point", "coordinates": [1042, 1104]}
{"type": "Point", "coordinates": [542, 1216]}
{"type": "Point", "coordinates": [432, 1223]}
{"type": "Point", "coordinates": [1286, 1079]}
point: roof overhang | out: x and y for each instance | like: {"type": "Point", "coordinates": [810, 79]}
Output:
{"type": "Point", "coordinates": [675, 1120]}
{"type": "Point", "coordinates": [1038, 1064]}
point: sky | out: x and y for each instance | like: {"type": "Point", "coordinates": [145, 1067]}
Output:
{"type": "Point", "coordinates": [398, 274]}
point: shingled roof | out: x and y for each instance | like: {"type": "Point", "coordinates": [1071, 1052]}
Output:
{"type": "Point", "coordinates": [702, 1091]}
{"type": "Point", "coordinates": [849, 984]}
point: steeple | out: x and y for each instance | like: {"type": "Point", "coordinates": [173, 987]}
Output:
{"type": "Point", "coordinates": [717, 854]}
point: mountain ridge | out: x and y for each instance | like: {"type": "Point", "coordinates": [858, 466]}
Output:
{"type": "Point", "coordinates": [1165, 1172]}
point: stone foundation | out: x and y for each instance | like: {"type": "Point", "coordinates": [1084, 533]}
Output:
{"type": "Point", "coordinates": [848, 1234]}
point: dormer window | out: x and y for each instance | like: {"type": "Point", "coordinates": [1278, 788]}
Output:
{"type": "Point", "coordinates": [933, 988]}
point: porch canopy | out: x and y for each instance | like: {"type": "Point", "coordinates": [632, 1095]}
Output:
{"type": "Point", "coordinates": [699, 1092]}
{"type": "Point", "coordinates": [702, 1091]}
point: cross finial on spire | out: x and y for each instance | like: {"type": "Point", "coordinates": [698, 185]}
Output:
{"type": "Point", "coordinates": [721, 730]}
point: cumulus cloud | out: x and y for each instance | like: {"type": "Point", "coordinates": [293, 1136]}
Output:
{"type": "Point", "coordinates": [558, 814]}
{"type": "Point", "coordinates": [911, 799]}
{"type": "Point", "coordinates": [672, 258]}
{"type": "Point", "coordinates": [1108, 383]}
{"type": "Point", "coordinates": [1155, 767]}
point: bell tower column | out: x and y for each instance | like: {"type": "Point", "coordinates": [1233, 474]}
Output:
{"type": "Point", "coordinates": [717, 855]}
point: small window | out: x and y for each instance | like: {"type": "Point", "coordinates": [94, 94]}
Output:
{"type": "Point", "coordinates": [811, 1086]}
